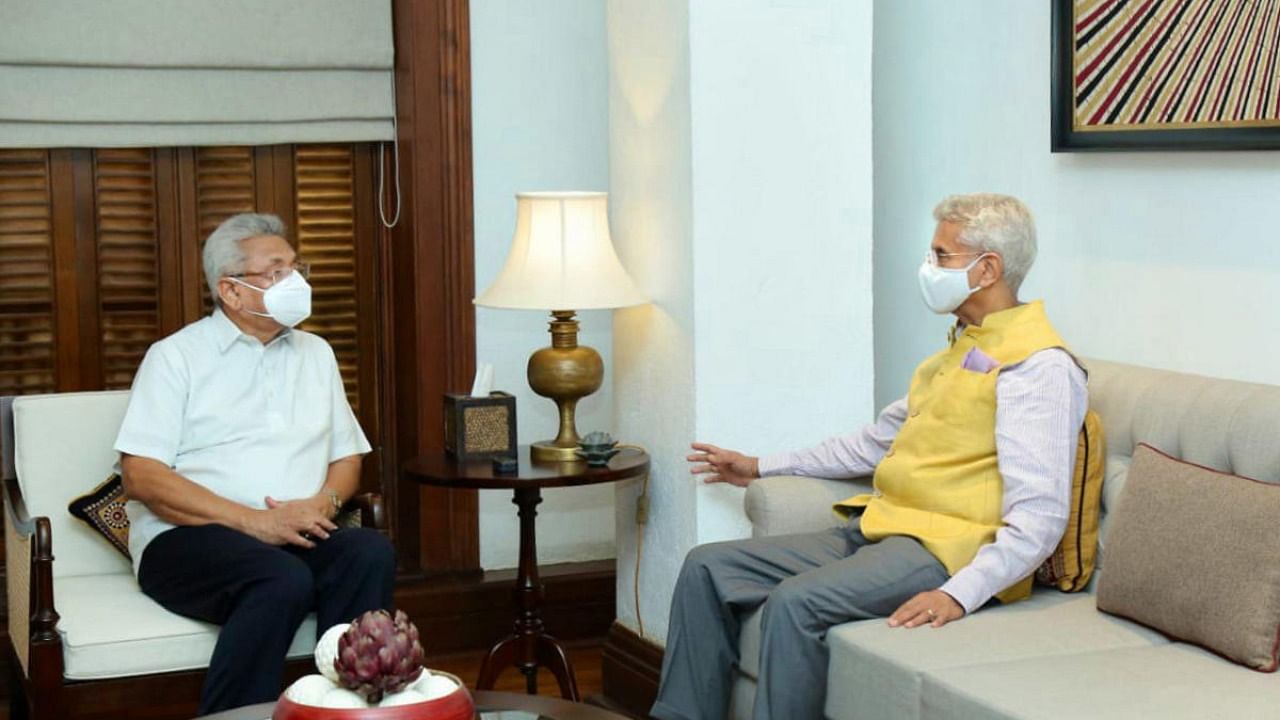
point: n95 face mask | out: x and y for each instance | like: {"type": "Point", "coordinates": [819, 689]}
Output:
{"type": "Point", "coordinates": [945, 289]}
{"type": "Point", "coordinates": [288, 301]}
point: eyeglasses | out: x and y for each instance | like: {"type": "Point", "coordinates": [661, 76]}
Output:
{"type": "Point", "coordinates": [934, 258]}
{"type": "Point", "coordinates": [302, 268]}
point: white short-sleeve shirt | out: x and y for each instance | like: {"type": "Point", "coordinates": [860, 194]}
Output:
{"type": "Point", "coordinates": [243, 419]}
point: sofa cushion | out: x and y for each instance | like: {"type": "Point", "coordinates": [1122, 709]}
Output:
{"type": "Point", "coordinates": [876, 671]}
{"type": "Point", "coordinates": [62, 448]}
{"type": "Point", "coordinates": [103, 511]}
{"type": "Point", "coordinates": [1223, 424]}
{"type": "Point", "coordinates": [109, 628]}
{"type": "Point", "coordinates": [1171, 681]}
{"type": "Point", "coordinates": [1192, 553]}
{"type": "Point", "coordinates": [1071, 565]}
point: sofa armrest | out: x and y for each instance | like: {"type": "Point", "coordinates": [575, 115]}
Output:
{"type": "Point", "coordinates": [786, 504]}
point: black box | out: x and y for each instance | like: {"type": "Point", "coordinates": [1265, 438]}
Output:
{"type": "Point", "coordinates": [480, 427]}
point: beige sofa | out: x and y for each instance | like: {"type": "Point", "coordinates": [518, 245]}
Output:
{"type": "Point", "coordinates": [1054, 655]}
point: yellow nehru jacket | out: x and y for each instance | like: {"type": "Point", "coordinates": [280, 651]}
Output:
{"type": "Point", "coordinates": [939, 481]}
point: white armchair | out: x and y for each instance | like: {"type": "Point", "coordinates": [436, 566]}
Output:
{"type": "Point", "coordinates": [86, 640]}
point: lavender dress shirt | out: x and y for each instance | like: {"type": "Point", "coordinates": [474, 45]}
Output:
{"type": "Point", "coordinates": [1040, 408]}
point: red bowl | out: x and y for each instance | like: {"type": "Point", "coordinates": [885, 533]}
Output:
{"type": "Point", "coordinates": [457, 705]}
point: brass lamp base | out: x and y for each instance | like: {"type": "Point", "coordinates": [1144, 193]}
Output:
{"type": "Point", "coordinates": [546, 451]}
{"type": "Point", "coordinates": [565, 372]}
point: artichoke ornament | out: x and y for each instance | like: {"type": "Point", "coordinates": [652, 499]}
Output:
{"type": "Point", "coordinates": [379, 654]}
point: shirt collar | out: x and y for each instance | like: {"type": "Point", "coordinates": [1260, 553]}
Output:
{"type": "Point", "coordinates": [995, 321]}
{"type": "Point", "coordinates": [1009, 316]}
{"type": "Point", "coordinates": [226, 333]}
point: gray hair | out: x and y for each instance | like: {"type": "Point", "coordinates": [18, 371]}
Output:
{"type": "Point", "coordinates": [222, 252]}
{"type": "Point", "coordinates": [994, 223]}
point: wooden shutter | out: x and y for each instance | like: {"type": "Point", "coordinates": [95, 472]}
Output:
{"type": "Point", "coordinates": [26, 274]}
{"type": "Point", "coordinates": [224, 186]}
{"type": "Point", "coordinates": [326, 235]}
{"type": "Point", "coordinates": [128, 271]}
{"type": "Point", "coordinates": [99, 255]}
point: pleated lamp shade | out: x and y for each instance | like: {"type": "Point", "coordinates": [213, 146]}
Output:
{"type": "Point", "coordinates": [562, 257]}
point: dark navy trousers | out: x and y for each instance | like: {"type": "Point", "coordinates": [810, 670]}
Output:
{"type": "Point", "coordinates": [260, 594]}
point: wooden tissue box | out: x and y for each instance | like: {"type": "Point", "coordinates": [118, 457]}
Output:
{"type": "Point", "coordinates": [480, 427]}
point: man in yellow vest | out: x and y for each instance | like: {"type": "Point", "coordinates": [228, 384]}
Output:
{"type": "Point", "coordinates": [972, 479]}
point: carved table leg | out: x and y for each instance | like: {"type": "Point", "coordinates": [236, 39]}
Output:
{"type": "Point", "coordinates": [528, 646]}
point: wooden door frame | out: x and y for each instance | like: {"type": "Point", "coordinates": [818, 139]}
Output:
{"type": "Point", "coordinates": [429, 271]}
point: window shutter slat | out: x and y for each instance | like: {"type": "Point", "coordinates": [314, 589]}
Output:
{"type": "Point", "coordinates": [325, 207]}
{"type": "Point", "coordinates": [125, 202]}
{"type": "Point", "coordinates": [225, 179]}
{"type": "Point", "coordinates": [26, 274]}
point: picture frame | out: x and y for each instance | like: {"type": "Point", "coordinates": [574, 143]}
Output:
{"type": "Point", "coordinates": [1165, 75]}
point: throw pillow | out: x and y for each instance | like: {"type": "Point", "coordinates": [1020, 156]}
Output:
{"type": "Point", "coordinates": [1192, 553]}
{"type": "Point", "coordinates": [103, 511]}
{"type": "Point", "coordinates": [1071, 564]}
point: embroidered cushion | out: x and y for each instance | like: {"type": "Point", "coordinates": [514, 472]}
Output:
{"type": "Point", "coordinates": [1071, 564]}
{"type": "Point", "coordinates": [103, 511]}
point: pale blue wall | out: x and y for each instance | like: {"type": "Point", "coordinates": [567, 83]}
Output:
{"type": "Point", "coordinates": [1162, 259]}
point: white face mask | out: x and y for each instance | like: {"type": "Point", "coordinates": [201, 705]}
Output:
{"type": "Point", "coordinates": [945, 289]}
{"type": "Point", "coordinates": [288, 301]}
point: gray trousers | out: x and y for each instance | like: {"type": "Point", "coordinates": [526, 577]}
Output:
{"type": "Point", "coordinates": [807, 583]}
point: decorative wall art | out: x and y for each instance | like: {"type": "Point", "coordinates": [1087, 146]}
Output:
{"type": "Point", "coordinates": [1166, 75]}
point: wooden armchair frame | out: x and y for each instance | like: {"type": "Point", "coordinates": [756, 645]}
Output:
{"type": "Point", "coordinates": [38, 690]}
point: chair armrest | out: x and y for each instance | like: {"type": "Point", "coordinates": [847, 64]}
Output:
{"type": "Point", "coordinates": [19, 535]}
{"type": "Point", "coordinates": [786, 504]}
{"type": "Point", "coordinates": [33, 621]}
{"type": "Point", "coordinates": [373, 513]}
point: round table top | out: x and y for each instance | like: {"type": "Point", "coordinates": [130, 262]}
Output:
{"type": "Point", "coordinates": [515, 706]}
{"type": "Point", "coordinates": [489, 704]}
{"type": "Point", "coordinates": [440, 469]}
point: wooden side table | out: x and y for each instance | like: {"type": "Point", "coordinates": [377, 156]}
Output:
{"type": "Point", "coordinates": [528, 646]}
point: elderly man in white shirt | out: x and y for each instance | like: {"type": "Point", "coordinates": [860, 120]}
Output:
{"type": "Point", "coordinates": [972, 487]}
{"type": "Point", "coordinates": [237, 450]}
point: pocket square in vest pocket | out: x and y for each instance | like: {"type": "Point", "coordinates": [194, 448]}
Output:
{"type": "Point", "coordinates": [979, 362]}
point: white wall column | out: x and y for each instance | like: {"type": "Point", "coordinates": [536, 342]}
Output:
{"type": "Point", "coordinates": [740, 173]}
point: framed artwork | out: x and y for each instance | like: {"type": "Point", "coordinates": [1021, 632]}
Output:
{"type": "Point", "coordinates": [1166, 75]}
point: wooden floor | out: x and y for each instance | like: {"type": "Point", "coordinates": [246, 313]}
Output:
{"type": "Point", "coordinates": [585, 657]}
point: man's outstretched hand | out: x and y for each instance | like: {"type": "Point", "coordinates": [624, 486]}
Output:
{"type": "Point", "coordinates": [726, 466]}
{"type": "Point", "coordinates": [934, 608]}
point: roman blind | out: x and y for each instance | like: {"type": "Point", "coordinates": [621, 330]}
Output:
{"type": "Point", "coordinates": [141, 73]}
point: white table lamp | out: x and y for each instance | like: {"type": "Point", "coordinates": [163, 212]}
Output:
{"type": "Point", "coordinates": [562, 260]}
